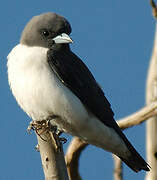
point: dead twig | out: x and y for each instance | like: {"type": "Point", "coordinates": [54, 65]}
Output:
{"type": "Point", "coordinates": [52, 157]}
{"type": "Point", "coordinates": [118, 168]}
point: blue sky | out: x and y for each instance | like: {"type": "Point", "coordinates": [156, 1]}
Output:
{"type": "Point", "coordinates": [114, 39]}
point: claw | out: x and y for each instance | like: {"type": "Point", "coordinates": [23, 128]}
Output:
{"type": "Point", "coordinates": [57, 142]}
{"type": "Point", "coordinates": [30, 127]}
{"type": "Point", "coordinates": [45, 125]}
{"type": "Point", "coordinates": [59, 132]}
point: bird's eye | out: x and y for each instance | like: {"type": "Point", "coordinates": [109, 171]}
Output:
{"type": "Point", "coordinates": [45, 33]}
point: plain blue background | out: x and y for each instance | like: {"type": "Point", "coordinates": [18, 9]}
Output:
{"type": "Point", "coordinates": [115, 39]}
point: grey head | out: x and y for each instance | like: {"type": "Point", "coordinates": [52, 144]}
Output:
{"type": "Point", "coordinates": [46, 30]}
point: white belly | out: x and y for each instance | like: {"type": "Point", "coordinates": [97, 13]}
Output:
{"type": "Point", "coordinates": [37, 89]}
{"type": "Point", "coordinates": [40, 94]}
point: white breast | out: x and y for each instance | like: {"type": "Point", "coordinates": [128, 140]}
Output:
{"type": "Point", "coordinates": [40, 94]}
{"type": "Point", "coordinates": [36, 88]}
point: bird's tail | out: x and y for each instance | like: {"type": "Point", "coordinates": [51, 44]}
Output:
{"type": "Point", "coordinates": [134, 161]}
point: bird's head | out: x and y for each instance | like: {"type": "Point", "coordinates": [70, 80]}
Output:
{"type": "Point", "coordinates": [47, 30]}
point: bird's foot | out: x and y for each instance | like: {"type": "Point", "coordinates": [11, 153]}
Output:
{"type": "Point", "coordinates": [58, 140]}
{"type": "Point", "coordinates": [31, 127]}
{"type": "Point", "coordinates": [39, 127]}
{"type": "Point", "coordinates": [56, 133]}
{"type": "Point", "coordinates": [43, 126]}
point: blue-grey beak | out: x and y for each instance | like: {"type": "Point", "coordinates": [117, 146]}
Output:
{"type": "Point", "coordinates": [62, 38]}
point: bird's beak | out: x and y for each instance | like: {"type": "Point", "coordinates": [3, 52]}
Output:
{"type": "Point", "coordinates": [62, 38]}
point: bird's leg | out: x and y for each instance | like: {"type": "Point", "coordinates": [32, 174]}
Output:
{"type": "Point", "coordinates": [55, 130]}
{"type": "Point", "coordinates": [56, 133]}
{"type": "Point", "coordinates": [45, 125]}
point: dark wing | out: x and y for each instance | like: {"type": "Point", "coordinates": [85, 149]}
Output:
{"type": "Point", "coordinates": [76, 76]}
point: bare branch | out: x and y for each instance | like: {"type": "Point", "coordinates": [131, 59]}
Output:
{"type": "Point", "coordinates": [72, 157]}
{"type": "Point", "coordinates": [151, 125]}
{"type": "Point", "coordinates": [118, 168]}
{"type": "Point", "coordinates": [52, 158]}
{"type": "Point", "coordinates": [138, 117]}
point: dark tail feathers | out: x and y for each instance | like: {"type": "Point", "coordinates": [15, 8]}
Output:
{"type": "Point", "coordinates": [135, 161]}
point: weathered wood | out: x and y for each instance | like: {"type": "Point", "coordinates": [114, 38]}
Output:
{"type": "Point", "coordinates": [151, 127]}
{"type": "Point", "coordinates": [72, 158]}
{"type": "Point", "coordinates": [51, 151]}
{"type": "Point", "coordinates": [118, 168]}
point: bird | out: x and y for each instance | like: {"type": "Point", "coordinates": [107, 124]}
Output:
{"type": "Point", "coordinates": [48, 79]}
